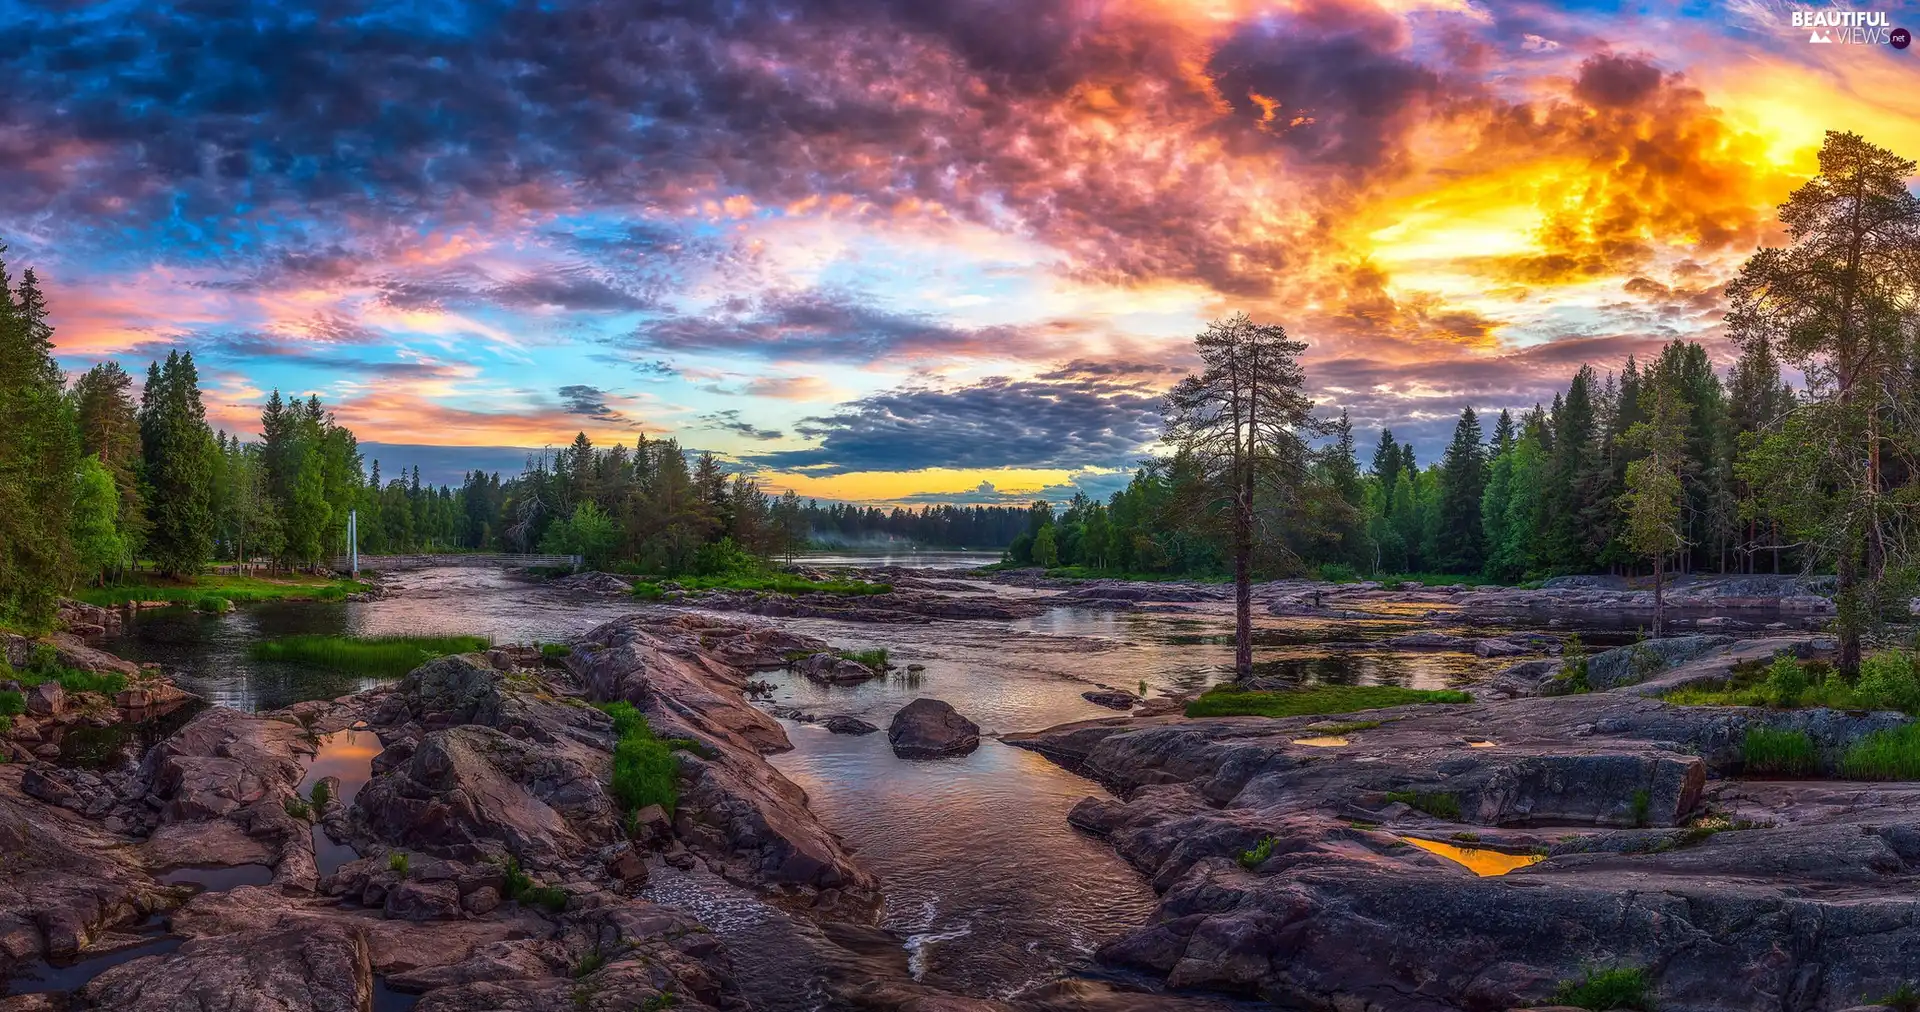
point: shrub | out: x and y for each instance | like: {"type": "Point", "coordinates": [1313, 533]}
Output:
{"type": "Point", "coordinates": [321, 794]}
{"type": "Point", "coordinates": [724, 558]}
{"type": "Point", "coordinates": [555, 650]}
{"type": "Point", "coordinates": [1888, 682]}
{"type": "Point", "coordinates": [1438, 805]}
{"type": "Point", "coordinates": [1901, 999]}
{"type": "Point", "coordinates": [1764, 750]}
{"type": "Point", "coordinates": [1621, 987]}
{"type": "Point", "coordinates": [298, 808]}
{"type": "Point", "coordinates": [588, 963]}
{"type": "Point", "coordinates": [214, 604]}
{"type": "Point", "coordinates": [1338, 572]}
{"type": "Point", "coordinates": [397, 863]}
{"type": "Point", "coordinates": [1573, 666]}
{"type": "Point", "coordinates": [1893, 754]}
{"type": "Point", "coordinates": [1257, 856]}
{"type": "Point", "coordinates": [12, 703]}
{"type": "Point", "coordinates": [1786, 680]}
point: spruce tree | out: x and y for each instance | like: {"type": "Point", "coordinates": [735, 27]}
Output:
{"type": "Point", "coordinates": [178, 448]}
{"type": "Point", "coordinates": [39, 453]}
{"type": "Point", "coordinates": [1463, 482]}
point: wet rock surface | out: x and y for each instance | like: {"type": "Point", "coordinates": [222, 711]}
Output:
{"type": "Point", "coordinates": [1284, 869]}
{"type": "Point", "coordinates": [928, 728]}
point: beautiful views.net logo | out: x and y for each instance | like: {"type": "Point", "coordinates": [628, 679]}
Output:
{"type": "Point", "coordinates": [1857, 28]}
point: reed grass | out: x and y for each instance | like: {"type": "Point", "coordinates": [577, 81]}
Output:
{"type": "Point", "coordinates": [365, 655]}
{"type": "Point", "coordinates": [1229, 701]}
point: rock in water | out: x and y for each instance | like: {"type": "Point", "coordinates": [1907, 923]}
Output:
{"type": "Point", "coordinates": [930, 729]}
{"type": "Point", "coordinates": [840, 723]}
{"type": "Point", "coordinates": [1112, 699]}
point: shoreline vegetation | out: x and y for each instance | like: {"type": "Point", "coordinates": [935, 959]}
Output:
{"type": "Point", "coordinates": [232, 587]}
{"type": "Point", "coordinates": [655, 587]}
{"type": "Point", "coordinates": [383, 656]}
{"type": "Point", "coordinates": [1230, 700]}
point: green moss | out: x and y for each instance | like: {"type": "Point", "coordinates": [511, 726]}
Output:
{"type": "Point", "coordinates": [1440, 805]}
{"type": "Point", "coordinates": [1766, 751]}
{"type": "Point", "coordinates": [389, 656]}
{"type": "Point", "coordinates": [1620, 987]}
{"type": "Point", "coordinates": [1893, 754]}
{"type": "Point", "coordinates": [1258, 855]}
{"type": "Point", "coordinates": [1225, 701]}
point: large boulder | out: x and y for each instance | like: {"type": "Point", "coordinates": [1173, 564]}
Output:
{"type": "Point", "coordinates": [468, 689]}
{"type": "Point", "coordinates": [472, 792]}
{"type": "Point", "coordinates": [225, 760]}
{"type": "Point", "coordinates": [64, 881]}
{"type": "Point", "coordinates": [931, 729]}
{"type": "Point", "coordinates": [324, 969]}
{"type": "Point", "coordinates": [1638, 662]}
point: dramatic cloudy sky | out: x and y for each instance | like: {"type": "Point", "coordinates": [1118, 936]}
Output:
{"type": "Point", "coordinates": [897, 250]}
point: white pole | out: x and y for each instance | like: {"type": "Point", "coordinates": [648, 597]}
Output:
{"type": "Point", "coordinates": [353, 542]}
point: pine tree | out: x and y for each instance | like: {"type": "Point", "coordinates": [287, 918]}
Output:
{"type": "Point", "coordinates": [1655, 497]}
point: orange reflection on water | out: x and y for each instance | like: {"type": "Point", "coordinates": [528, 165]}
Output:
{"type": "Point", "coordinates": [1479, 860]}
{"type": "Point", "coordinates": [1322, 741]}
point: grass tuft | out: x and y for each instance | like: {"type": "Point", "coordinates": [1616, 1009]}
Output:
{"type": "Point", "coordinates": [1642, 801]}
{"type": "Point", "coordinates": [1225, 701]}
{"type": "Point", "coordinates": [389, 656]}
{"type": "Point", "coordinates": [1893, 754]}
{"type": "Point", "coordinates": [1620, 987]}
{"type": "Point", "coordinates": [555, 650]}
{"type": "Point", "coordinates": [397, 863]}
{"type": "Point", "coordinates": [644, 769]}
{"type": "Point", "coordinates": [321, 795]}
{"type": "Point", "coordinates": [298, 808]}
{"type": "Point", "coordinates": [1440, 805]}
{"type": "Point", "coordinates": [1766, 751]}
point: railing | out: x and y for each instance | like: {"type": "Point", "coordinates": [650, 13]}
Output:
{"type": "Point", "coordinates": [498, 560]}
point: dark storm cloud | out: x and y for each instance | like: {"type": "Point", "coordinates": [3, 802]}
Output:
{"type": "Point", "coordinates": [1613, 81]}
{"type": "Point", "coordinates": [995, 423]}
{"type": "Point", "coordinates": [580, 399]}
{"type": "Point", "coordinates": [730, 421]}
{"type": "Point", "coordinates": [818, 325]}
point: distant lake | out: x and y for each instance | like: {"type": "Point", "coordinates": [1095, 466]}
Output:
{"type": "Point", "coordinates": [857, 558]}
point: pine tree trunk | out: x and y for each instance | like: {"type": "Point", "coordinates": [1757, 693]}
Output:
{"type": "Point", "coordinates": [1659, 594]}
{"type": "Point", "coordinates": [1243, 580]}
{"type": "Point", "coordinates": [1846, 580]}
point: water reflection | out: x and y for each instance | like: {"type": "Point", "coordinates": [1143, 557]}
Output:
{"type": "Point", "coordinates": [346, 756]}
{"type": "Point", "coordinates": [853, 559]}
{"type": "Point", "coordinates": [1482, 861]}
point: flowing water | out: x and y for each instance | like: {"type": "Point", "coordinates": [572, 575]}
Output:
{"type": "Point", "coordinates": [990, 888]}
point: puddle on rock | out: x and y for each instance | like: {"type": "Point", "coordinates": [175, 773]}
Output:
{"type": "Point", "coordinates": [1323, 741]}
{"type": "Point", "coordinates": [217, 879]}
{"type": "Point", "coordinates": [42, 976]}
{"type": "Point", "coordinates": [347, 756]}
{"type": "Point", "coordinates": [1482, 861]}
{"type": "Point", "coordinates": [1480, 743]}
{"type": "Point", "coordinates": [386, 999]}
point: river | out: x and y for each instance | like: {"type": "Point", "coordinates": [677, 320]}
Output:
{"type": "Point", "coordinates": [989, 886]}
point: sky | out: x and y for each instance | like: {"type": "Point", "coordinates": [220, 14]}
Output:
{"type": "Point", "coordinates": [893, 250]}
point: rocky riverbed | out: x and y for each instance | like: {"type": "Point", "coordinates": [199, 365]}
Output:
{"type": "Point", "coordinates": [468, 853]}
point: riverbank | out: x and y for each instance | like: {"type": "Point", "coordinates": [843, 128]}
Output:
{"type": "Point", "coordinates": [1492, 855]}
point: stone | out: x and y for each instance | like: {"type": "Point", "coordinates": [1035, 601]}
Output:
{"type": "Point", "coordinates": [841, 723]}
{"type": "Point", "coordinates": [481, 901]}
{"type": "Point", "coordinates": [415, 900]}
{"type": "Point", "coordinates": [325, 969]}
{"type": "Point", "coordinates": [628, 867]}
{"type": "Point", "coordinates": [47, 699]}
{"type": "Point", "coordinates": [1112, 699]}
{"type": "Point", "coordinates": [831, 669]}
{"type": "Point", "coordinates": [929, 728]}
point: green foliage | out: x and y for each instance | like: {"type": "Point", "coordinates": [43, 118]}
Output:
{"type": "Point", "coordinates": [1573, 666]}
{"type": "Point", "coordinates": [370, 655]}
{"type": "Point", "coordinates": [214, 604]}
{"type": "Point", "coordinates": [298, 808]}
{"type": "Point", "coordinates": [1889, 681]}
{"type": "Point", "coordinates": [588, 532]}
{"type": "Point", "coordinates": [555, 650]}
{"type": "Point", "coordinates": [1338, 572]}
{"type": "Point", "coordinates": [1893, 754]}
{"type": "Point", "coordinates": [397, 862]}
{"type": "Point", "coordinates": [1602, 990]}
{"type": "Point", "coordinates": [1225, 701]}
{"type": "Point", "coordinates": [229, 587]}
{"type": "Point", "coordinates": [658, 1003]}
{"type": "Point", "coordinates": [1786, 680]}
{"type": "Point", "coordinates": [44, 666]}
{"type": "Point", "coordinates": [95, 526]}
{"type": "Point", "coordinates": [321, 795]}
{"type": "Point", "coordinates": [1258, 854]}
{"type": "Point", "coordinates": [12, 704]}
{"type": "Point", "coordinates": [1905, 998]}
{"type": "Point", "coordinates": [179, 451]}
{"type": "Point", "coordinates": [39, 454]}
{"type": "Point", "coordinates": [589, 962]}
{"type": "Point", "coordinates": [1440, 805]}
{"type": "Point", "coordinates": [644, 769]}
{"type": "Point", "coordinates": [519, 887]}
{"type": "Point", "coordinates": [1642, 802]}
{"type": "Point", "coordinates": [1765, 751]}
